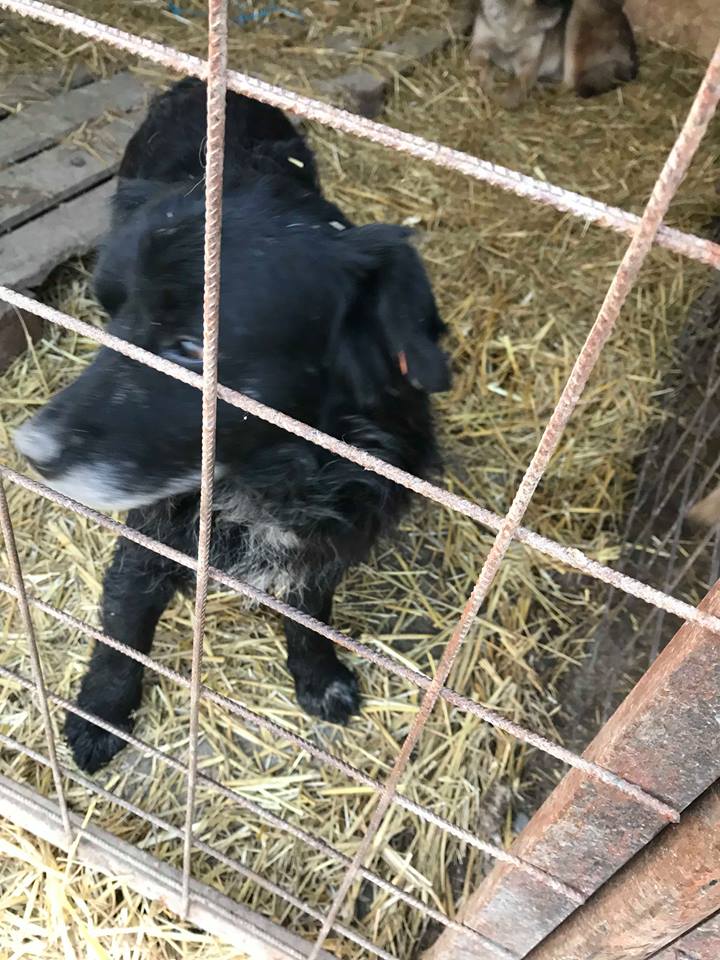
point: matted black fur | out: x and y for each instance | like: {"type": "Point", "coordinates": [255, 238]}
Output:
{"type": "Point", "coordinates": [315, 314]}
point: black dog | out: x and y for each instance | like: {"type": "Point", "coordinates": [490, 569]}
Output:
{"type": "Point", "coordinates": [331, 323]}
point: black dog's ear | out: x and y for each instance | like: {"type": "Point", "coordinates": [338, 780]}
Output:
{"type": "Point", "coordinates": [393, 323]}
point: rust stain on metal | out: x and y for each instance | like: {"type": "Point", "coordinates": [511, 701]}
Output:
{"type": "Point", "coordinates": [584, 832]}
{"type": "Point", "coordinates": [671, 886]}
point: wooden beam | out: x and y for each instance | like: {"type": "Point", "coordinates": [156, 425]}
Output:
{"type": "Point", "coordinates": [664, 737]}
{"type": "Point", "coordinates": [666, 890]}
{"type": "Point", "coordinates": [256, 937]}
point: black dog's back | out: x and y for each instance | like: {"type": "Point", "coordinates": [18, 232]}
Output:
{"type": "Point", "coordinates": [170, 145]}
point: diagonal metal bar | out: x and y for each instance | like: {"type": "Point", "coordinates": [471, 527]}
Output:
{"type": "Point", "coordinates": [235, 865]}
{"type": "Point", "coordinates": [216, 92]}
{"type": "Point", "coordinates": [670, 178]}
{"type": "Point", "coordinates": [388, 663]}
{"type": "Point", "coordinates": [39, 681]}
{"type": "Point", "coordinates": [591, 211]}
{"type": "Point", "coordinates": [235, 797]}
{"type": "Point", "coordinates": [568, 556]}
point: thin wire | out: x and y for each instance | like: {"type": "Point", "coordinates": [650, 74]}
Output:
{"type": "Point", "coordinates": [387, 663]}
{"type": "Point", "coordinates": [316, 843]}
{"type": "Point", "coordinates": [235, 797]}
{"type": "Point", "coordinates": [278, 730]}
{"type": "Point", "coordinates": [670, 178]}
{"type": "Point", "coordinates": [38, 679]}
{"type": "Point", "coordinates": [591, 211]}
{"type": "Point", "coordinates": [215, 134]}
{"type": "Point", "coordinates": [568, 556]}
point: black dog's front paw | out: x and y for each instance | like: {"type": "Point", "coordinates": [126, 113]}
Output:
{"type": "Point", "coordinates": [92, 746]}
{"type": "Point", "coordinates": [329, 692]}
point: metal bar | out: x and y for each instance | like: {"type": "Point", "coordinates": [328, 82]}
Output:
{"type": "Point", "coordinates": [584, 832]}
{"type": "Point", "coordinates": [232, 795]}
{"type": "Point", "coordinates": [250, 933]}
{"type": "Point", "coordinates": [387, 663]}
{"type": "Point", "coordinates": [667, 889]}
{"type": "Point", "coordinates": [591, 211]}
{"type": "Point", "coordinates": [670, 178]}
{"type": "Point", "coordinates": [215, 135]}
{"type": "Point", "coordinates": [273, 819]}
{"type": "Point", "coordinates": [351, 772]}
{"type": "Point", "coordinates": [568, 556]}
{"type": "Point", "coordinates": [39, 681]}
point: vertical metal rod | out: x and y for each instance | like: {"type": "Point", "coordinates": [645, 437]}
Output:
{"type": "Point", "coordinates": [19, 584]}
{"type": "Point", "coordinates": [216, 95]}
{"type": "Point", "coordinates": [670, 178]}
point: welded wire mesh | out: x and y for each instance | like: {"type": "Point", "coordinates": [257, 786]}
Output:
{"type": "Point", "coordinates": [644, 232]}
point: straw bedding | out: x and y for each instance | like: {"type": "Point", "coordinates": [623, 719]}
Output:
{"type": "Point", "coordinates": [519, 286]}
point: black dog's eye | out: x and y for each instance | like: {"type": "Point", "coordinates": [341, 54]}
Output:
{"type": "Point", "coordinates": [187, 351]}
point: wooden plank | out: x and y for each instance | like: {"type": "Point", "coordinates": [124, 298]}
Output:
{"type": "Point", "coordinates": [665, 891]}
{"type": "Point", "coordinates": [25, 88]}
{"type": "Point", "coordinates": [662, 737]}
{"type": "Point", "coordinates": [45, 180]}
{"type": "Point", "coordinates": [40, 125]}
{"type": "Point", "coordinates": [254, 936]}
{"type": "Point", "coordinates": [29, 254]}
{"type": "Point", "coordinates": [702, 943]}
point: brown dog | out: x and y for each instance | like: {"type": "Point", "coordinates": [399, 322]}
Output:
{"type": "Point", "coordinates": [588, 45]}
{"type": "Point", "coordinates": [706, 513]}
{"type": "Point", "coordinates": [600, 49]}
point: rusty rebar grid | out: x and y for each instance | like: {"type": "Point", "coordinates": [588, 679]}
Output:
{"type": "Point", "coordinates": [649, 229]}
{"type": "Point", "coordinates": [215, 152]}
{"type": "Point", "coordinates": [235, 797]}
{"type": "Point", "coordinates": [35, 660]}
{"type": "Point", "coordinates": [398, 669]}
{"type": "Point", "coordinates": [568, 556]}
{"type": "Point", "coordinates": [231, 862]}
{"type": "Point", "coordinates": [567, 201]}
{"type": "Point", "coordinates": [671, 176]}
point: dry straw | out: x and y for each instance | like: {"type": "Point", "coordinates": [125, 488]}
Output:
{"type": "Point", "coordinates": [519, 287]}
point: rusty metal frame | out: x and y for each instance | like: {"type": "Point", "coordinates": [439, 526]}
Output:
{"type": "Point", "coordinates": [582, 830]}
{"type": "Point", "coordinates": [646, 796]}
{"type": "Point", "coordinates": [670, 887]}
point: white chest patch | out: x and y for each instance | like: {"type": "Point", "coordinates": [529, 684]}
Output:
{"type": "Point", "coordinates": [255, 548]}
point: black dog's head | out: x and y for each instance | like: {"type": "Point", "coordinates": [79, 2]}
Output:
{"type": "Point", "coordinates": [314, 314]}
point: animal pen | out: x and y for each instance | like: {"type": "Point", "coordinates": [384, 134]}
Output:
{"type": "Point", "coordinates": [622, 859]}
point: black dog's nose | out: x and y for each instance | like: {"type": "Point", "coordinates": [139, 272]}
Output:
{"type": "Point", "coordinates": [34, 440]}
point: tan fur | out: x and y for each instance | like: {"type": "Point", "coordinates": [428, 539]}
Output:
{"type": "Point", "coordinates": [600, 51]}
{"type": "Point", "coordinates": [591, 50]}
{"type": "Point", "coordinates": [706, 513]}
{"type": "Point", "coordinates": [523, 39]}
